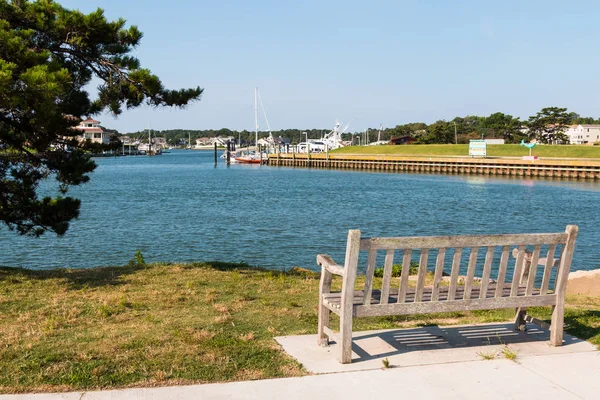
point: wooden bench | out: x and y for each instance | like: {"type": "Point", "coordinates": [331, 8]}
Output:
{"type": "Point", "coordinates": [525, 287]}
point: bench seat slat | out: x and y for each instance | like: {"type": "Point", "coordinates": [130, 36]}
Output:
{"type": "Point", "coordinates": [455, 305]}
{"type": "Point", "coordinates": [333, 300]}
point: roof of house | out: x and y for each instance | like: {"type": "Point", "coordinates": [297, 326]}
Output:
{"type": "Point", "coordinates": [90, 121]}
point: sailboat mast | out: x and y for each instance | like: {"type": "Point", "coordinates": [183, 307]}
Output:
{"type": "Point", "coordinates": [149, 139]}
{"type": "Point", "coordinates": [256, 117]}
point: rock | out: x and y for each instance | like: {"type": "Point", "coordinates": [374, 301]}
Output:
{"type": "Point", "coordinates": [584, 282]}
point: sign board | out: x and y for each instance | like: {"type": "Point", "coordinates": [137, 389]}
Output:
{"type": "Point", "coordinates": [477, 148]}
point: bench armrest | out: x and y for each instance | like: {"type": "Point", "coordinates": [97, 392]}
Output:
{"type": "Point", "coordinates": [327, 262]}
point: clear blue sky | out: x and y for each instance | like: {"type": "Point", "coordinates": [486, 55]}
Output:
{"type": "Point", "coordinates": [372, 62]}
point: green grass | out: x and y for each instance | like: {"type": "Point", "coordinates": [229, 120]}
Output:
{"type": "Point", "coordinates": [169, 324]}
{"type": "Point", "coordinates": [506, 150]}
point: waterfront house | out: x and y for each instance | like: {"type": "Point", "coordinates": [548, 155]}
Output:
{"type": "Point", "coordinates": [402, 140]}
{"type": "Point", "coordinates": [221, 141]}
{"type": "Point", "coordinates": [90, 129]}
{"type": "Point", "coordinates": [203, 141]}
{"type": "Point", "coordinates": [160, 141]}
{"type": "Point", "coordinates": [583, 133]}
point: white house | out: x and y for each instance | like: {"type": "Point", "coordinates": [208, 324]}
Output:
{"type": "Point", "coordinates": [91, 130]}
{"type": "Point", "coordinates": [581, 134]}
{"type": "Point", "coordinates": [222, 141]}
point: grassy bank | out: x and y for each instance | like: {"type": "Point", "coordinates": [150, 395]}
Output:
{"type": "Point", "coordinates": [168, 324]}
{"type": "Point", "coordinates": [505, 150]}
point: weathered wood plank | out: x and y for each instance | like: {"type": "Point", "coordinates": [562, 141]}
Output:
{"type": "Point", "coordinates": [487, 268]}
{"type": "Point", "coordinates": [372, 258]}
{"type": "Point", "coordinates": [333, 300]}
{"type": "Point", "coordinates": [454, 305]}
{"type": "Point", "coordinates": [538, 322]}
{"type": "Point", "coordinates": [471, 272]}
{"type": "Point", "coordinates": [327, 262]}
{"type": "Point", "coordinates": [331, 334]}
{"type": "Point", "coordinates": [558, 314]}
{"type": "Point", "coordinates": [462, 241]}
{"type": "Point", "coordinates": [532, 269]}
{"type": "Point", "coordinates": [404, 275]}
{"type": "Point", "coordinates": [323, 318]}
{"type": "Point", "coordinates": [346, 312]}
{"type": "Point", "coordinates": [548, 268]}
{"type": "Point", "coordinates": [517, 271]}
{"type": "Point", "coordinates": [454, 273]}
{"type": "Point", "coordinates": [502, 270]}
{"type": "Point", "coordinates": [387, 276]}
{"type": "Point", "coordinates": [439, 272]}
{"type": "Point", "coordinates": [422, 274]}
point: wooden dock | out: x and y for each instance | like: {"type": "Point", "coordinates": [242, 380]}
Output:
{"type": "Point", "coordinates": [544, 168]}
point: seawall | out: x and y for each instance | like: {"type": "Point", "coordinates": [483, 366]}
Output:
{"type": "Point", "coordinates": [543, 168]}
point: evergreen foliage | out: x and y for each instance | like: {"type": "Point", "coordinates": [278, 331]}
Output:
{"type": "Point", "coordinates": [48, 54]}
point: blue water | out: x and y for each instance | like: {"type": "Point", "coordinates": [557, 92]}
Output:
{"type": "Point", "coordinates": [179, 207]}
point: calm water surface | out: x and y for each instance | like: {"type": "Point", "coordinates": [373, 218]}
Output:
{"type": "Point", "coordinates": [179, 207]}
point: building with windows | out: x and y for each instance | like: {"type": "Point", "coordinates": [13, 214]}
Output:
{"type": "Point", "coordinates": [90, 129]}
{"type": "Point", "coordinates": [583, 133]}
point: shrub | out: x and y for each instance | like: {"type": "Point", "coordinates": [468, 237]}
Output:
{"type": "Point", "coordinates": [397, 269]}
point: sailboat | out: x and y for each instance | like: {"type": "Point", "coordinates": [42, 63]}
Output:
{"type": "Point", "coordinates": [148, 148]}
{"type": "Point", "coordinates": [254, 156]}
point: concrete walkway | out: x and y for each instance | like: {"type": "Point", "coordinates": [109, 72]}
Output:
{"type": "Point", "coordinates": [428, 345]}
{"type": "Point", "coordinates": [561, 376]}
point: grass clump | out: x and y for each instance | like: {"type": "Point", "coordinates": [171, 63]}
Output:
{"type": "Point", "coordinates": [491, 355]}
{"type": "Point", "coordinates": [509, 353]}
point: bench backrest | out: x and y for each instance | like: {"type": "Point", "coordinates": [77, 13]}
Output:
{"type": "Point", "coordinates": [510, 260]}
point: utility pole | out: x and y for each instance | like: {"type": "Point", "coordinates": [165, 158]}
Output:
{"type": "Point", "coordinates": [455, 135]}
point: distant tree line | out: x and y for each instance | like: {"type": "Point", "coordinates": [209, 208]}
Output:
{"type": "Point", "coordinates": [547, 126]}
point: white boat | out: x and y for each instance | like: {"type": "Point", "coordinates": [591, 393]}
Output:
{"type": "Point", "coordinates": [331, 141]}
{"type": "Point", "coordinates": [232, 156]}
{"type": "Point", "coordinates": [379, 141]}
{"type": "Point", "coordinates": [253, 157]}
{"type": "Point", "coordinates": [150, 148]}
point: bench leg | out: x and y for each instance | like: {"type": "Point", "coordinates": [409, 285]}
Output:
{"type": "Point", "coordinates": [520, 324]}
{"type": "Point", "coordinates": [346, 340]}
{"type": "Point", "coordinates": [557, 325]}
{"type": "Point", "coordinates": [322, 338]}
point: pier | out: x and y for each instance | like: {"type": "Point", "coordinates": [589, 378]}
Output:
{"type": "Point", "coordinates": [542, 168]}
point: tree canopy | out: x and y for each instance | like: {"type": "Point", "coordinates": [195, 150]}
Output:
{"type": "Point", "coordinates": [549, 125]}
{"type": "Point", "coordinates": [48, 55]}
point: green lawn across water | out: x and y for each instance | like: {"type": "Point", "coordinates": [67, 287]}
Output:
{"type": "Point", "coordinates": [500, 150]}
